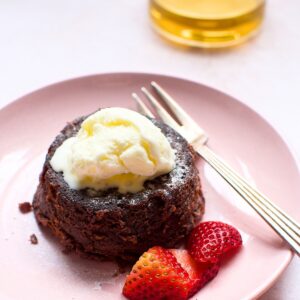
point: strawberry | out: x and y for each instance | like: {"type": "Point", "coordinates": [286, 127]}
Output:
{"type": "Point", "coordinates": [162, 274]}
{"type": "Point", "coordinates": [167, 274]}
{"type": "Point", "coordinates": [199, 273]}
{"type": "Point", "coordinates": [157, 275]}
{"type": "Point", "coordinates": [210, 240]}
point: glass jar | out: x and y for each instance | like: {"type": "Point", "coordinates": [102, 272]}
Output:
{"type": "Point", "coordinates": [207, 23]}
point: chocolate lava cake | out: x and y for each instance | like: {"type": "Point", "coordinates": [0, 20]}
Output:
{"type": "Point", "coordinates": [109, 225]}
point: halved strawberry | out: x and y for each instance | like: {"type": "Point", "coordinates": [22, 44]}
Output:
{"type": "Point", "coordinates": [199, 273]}
{"type": "Point", "coordinates": [210, 240]}
{"type": "Point", "coordinates": [157, 275]}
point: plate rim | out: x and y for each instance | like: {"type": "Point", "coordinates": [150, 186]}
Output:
{"type": "Point", "coordinates": [260, 290]}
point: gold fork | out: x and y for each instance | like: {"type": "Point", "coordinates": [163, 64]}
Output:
{"type": "Point", "coordinates": [284, 225]}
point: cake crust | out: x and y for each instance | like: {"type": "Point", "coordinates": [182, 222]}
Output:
{"type": "Point", "coordinates": [108, 225]}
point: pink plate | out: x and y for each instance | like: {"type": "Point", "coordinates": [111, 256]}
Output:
{"type": "Point", "coordinates": [237, 133]}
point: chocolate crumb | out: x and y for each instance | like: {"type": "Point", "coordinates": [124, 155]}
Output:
{"type": "Point", "coordinates": [25, 207]}
{"type": "Point", "coordinates": [122, 267]}
{"type": "Point", "coordinates": [33, 239]}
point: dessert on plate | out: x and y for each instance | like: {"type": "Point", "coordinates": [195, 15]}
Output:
{"type": "Point", "coordinates": [116, 183]}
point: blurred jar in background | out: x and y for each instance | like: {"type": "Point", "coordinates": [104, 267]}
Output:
{"type": "Point", "coordinates": [207, 23]}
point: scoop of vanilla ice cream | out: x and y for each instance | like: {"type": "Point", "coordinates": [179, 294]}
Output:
{"type": "Point", "coordinates": [114, 148]}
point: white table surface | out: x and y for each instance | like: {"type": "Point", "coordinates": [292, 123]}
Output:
{"type": "Point", "coordinates": [42, 42]}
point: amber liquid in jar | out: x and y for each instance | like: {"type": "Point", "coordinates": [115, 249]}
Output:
{"type": "Point", "coordinates": [207, 23]}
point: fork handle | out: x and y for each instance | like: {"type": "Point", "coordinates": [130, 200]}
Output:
{"type": "Point", "coordinates": [284, 225]}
